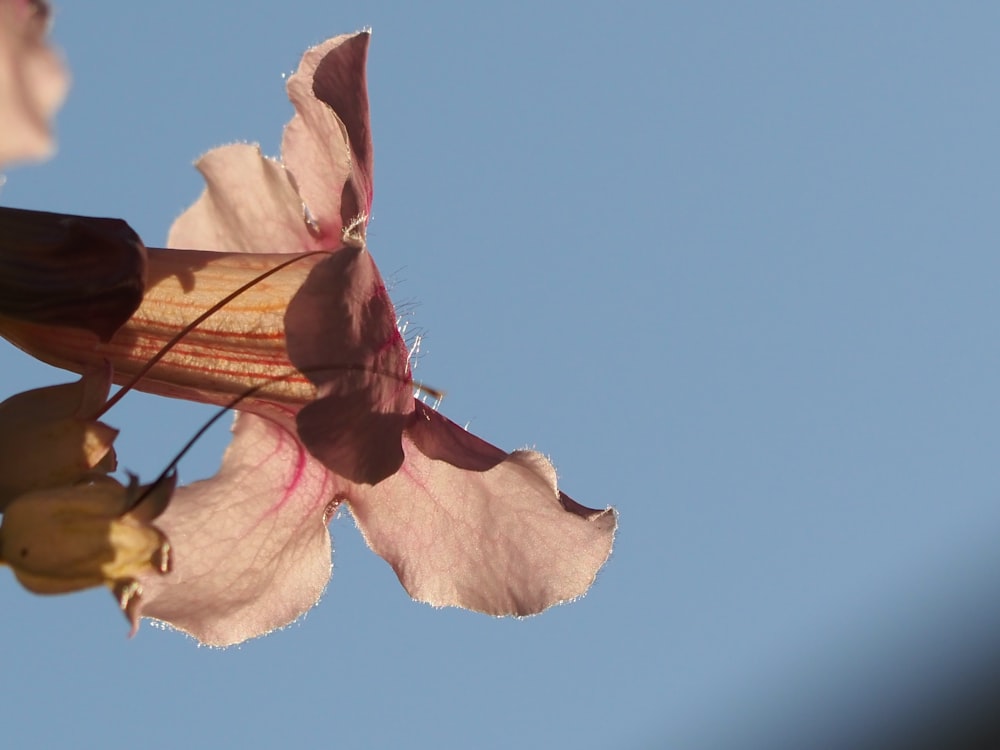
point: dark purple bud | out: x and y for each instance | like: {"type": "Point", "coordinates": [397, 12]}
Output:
{"type": "Point", "coordinates": [78, 271]}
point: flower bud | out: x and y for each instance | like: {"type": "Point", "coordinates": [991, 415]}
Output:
{"type": "Point", "coordinates": [96, 533]}
{"type": "Point", "coordinates": [47, 438]}
{"type": "Point", "coordinates": [73, 271]}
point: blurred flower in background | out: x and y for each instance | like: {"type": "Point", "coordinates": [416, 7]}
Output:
{"type": "Point", "coordinates": [33, 81]}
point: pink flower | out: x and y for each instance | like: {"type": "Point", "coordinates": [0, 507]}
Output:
{"type": "Point", "coordinates": [462, 522]}
{"type": "Point", "coordinates": [33, 81]}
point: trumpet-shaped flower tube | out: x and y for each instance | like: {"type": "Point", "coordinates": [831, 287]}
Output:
{"type": "Point", "coordinates": [332, 420]}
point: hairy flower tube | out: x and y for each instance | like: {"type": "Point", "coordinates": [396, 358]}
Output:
{"type": "Point", "coordinates": [307, 336]}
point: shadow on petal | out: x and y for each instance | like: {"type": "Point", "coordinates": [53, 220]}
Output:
{"type": "Point", "coordinates": [341, 333]}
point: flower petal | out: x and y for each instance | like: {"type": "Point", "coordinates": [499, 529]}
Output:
{"type": "Point", "coordinates": [328, 144]}
{"type": "Point", "coordinates": [254, 204]}
{"type": "Point", "coordinates": [341, 333]}
{"type": "Point", "coordinates": [33, 81]}
{"type": "Point", "coordinates": [251, 547]}
{"type": "Point", "coordinates": [496, 536]}
{"type": "Point", "coordinates": [249, 205]}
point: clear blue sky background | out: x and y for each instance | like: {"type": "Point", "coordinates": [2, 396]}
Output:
{"type": "Point", "coordinates": [733, 266]}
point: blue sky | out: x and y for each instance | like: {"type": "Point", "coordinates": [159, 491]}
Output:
{"type": "Point", "coordinates": [733, 268]}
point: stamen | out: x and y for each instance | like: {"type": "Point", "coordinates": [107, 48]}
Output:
{"type": "Point", "coordinates": [414, 349]}
{"type": "Point", "coordinates": [332, 507]}
{"type": "Point", "coordinates": [311, 224]}
{"type": "Point", "coordinates": [423, 390]}
{"type": "Point", "coordinates": [354, 233]}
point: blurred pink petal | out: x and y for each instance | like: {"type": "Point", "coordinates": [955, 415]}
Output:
{"type": "Point", "coordinates": [252, 547]}
{"type": "Point", "coordinates": [33, 81]}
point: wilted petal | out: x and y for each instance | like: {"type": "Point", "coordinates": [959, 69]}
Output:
{"type": "Point", "coordinates": [328, 143]}
{"type": "Point", "coordinates": [49, 437]}
{"type": "Point", "coordinates": [501, 540]}
{"type": "Point", "coordinates": [78, 271]}
{"type": "Point", "coordinates": [252, 547]}
{"type": "Point", "coordinates": [33, 81]}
